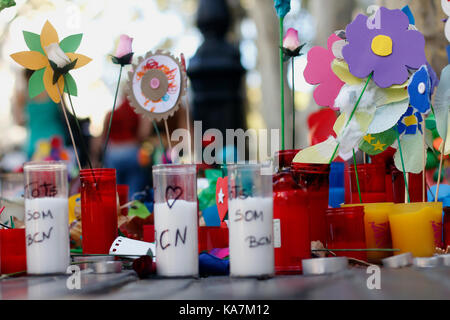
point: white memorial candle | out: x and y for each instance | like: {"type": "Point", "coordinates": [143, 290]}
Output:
{"type": "Point", "coordinates": [47, 235]}
{"type": "Point", "coordinates": [176, 238]}
{"type": "Point", "coordinates": [251, 236]}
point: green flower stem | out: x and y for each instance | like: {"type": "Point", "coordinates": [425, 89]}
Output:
{"type": "Point", "coordinates": [293, 106]}
{"type": "Point", "coordinates": [112, 114]}
{"type": "Point", "coordinates": [80, 132]}
{"type": "Point", "coordinates": [356, 175]}
{"type": "Point", "coordinates": [281, 83]}
{"type": "Point", "coordinates": [12, 222]}
{"type": "Point", "coordinates": [368, 249]}
{"type": "Point", "coordinates": [403, 163]}
{"type": "Point", "coordinates": [353, 112]}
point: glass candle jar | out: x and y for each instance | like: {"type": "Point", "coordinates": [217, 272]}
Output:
{"type": "Point", "coordinates": [98, 210]}
{"type": "Point", "coordinates": [313, 180]}
{"type": "Point", "coordinates": [346, 231]}
{"type": "Point", "coordinates": [250, 215]}
{"type": "Point", "coordinates": [290, 219]}
{"type": "Point", "coordinates": [176, 219]}
{"type": "Point", "coordinates": [377, 230]}
{"type": "Point", "coordinates": [446, 227]}
{"type": "Point", "coordinates": [46, 217]}
{"type": "Point", "coordinates": [371, 177]}
{"type": "Point", "coordinates": [416, 227]}
{"type": "Point", "coordinates": [12, 251]}
{"type": "Point", "coordinates": [12, 197]}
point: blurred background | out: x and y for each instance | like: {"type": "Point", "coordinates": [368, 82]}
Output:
{"type": "Point", "coordinates": [240, 36]}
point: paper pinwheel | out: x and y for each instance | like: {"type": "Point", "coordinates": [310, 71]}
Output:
{"type": "Point", "coordinates": [45, 65]}
{"type": "Point", "coordinates": [318, 71]}
{"type": "Point", "coordinates": [373, 112]}
{"type": "Point", "coordinates": [387, 51]}
{"type": "Point", "coordinates": [156, 85]}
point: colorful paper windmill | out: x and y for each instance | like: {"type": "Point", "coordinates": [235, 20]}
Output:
{"type": "Point", "coordinates": [37, 59]}
{"type": "Point", "coordinates": [156, 85]}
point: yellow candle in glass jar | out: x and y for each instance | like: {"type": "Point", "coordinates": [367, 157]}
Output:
{"type": "Point", "coordinates": [413, 227]}
{"type": "Point", "coordinates": [376, 227]}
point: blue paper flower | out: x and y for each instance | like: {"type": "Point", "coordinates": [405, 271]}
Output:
{"type": "Point", "coordinates": [282, 7]}
{"type": "Point", "coordinates": [419, 90]}
{"type": "Point", "coordinates": [410, 121]}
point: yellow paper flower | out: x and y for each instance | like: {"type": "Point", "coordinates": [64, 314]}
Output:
{"type": "Point", "coordinates": [37, 59]}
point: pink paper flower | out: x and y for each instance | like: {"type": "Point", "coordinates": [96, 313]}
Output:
{"type": "Point", "coordinates": [318, 71]}
{"type": "Point", "coordinates": [124, 53]}
{"type": "Point", "coordinates": [290, 40]}
{"type": "Point", "coordinates": [124, 46]}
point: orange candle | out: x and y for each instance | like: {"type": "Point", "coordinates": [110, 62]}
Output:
{"type": "Point", "coordinates": [416, 227]}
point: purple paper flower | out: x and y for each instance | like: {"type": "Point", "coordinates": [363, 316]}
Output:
{"type": "Point", "coordinates": [387, 50]}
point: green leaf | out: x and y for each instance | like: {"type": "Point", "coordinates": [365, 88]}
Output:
{"type": "Point", "coordinates": [71, 43]}
{"type": "Point", "coordinates": [70, 87]}
{"type": "Point", "coordinates": [33, 41]}
{"type": "Point", "coordinates": [138, 209]}
{"type": "Point", "coordinates": [376, 143]}
{"type": "Point", "coordinates": [36, 83]}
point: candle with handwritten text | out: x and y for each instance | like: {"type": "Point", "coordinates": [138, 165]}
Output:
{"type": "Point", "coordinates": [176, 220]}
{"type": "Point", "coordinates": [250, 210]}
{"type": "Point", "coordinates": [46, 217]}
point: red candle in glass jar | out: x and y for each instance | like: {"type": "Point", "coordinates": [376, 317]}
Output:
{"type": "Point", "coordinates": [13, 256]}
{"type": "Point", "coordinates": [372, 183]}
{"type": "Point", "coordinates": [346, 230]}
{"type": "Point", "coordinates": [98, 210]}
{"type": "Point", "coordinates": [122, 191]}
{"type": "Point", "coordinates": [293, 203]}
{"type": "Point", "coordinates": [446, 227]}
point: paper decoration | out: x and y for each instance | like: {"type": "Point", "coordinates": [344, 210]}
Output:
{"type": "Point", "coordinates": [376, 143]}
{"type": "Point", "coordinates": [36, 59]}
{"type": "Point", "coordinates": [419, 90]}
{"type": "Point", "coordinates": [442, 103]}
{"type": "Point", "coordinates": [156, 85]}
{"type": "Point", "coordinates": [138, 209]}
{"type": "Point", "coordinates": [387, 116]}
{"type": "Point", "coordinates": [320, 125]}
{"type": "Point", "coordinates": [291, 45]}
{"type": "Point", "coordinates": [410, 122]}
{"type": "Point", "coordinates": [319, 153]}
{"type": "Point", "coordinates": [406, 10]}
{"type": "Point", "coordinates": [446, 6]}
{"type": "Point", "coordinates": [412, 149]}
{"type": "Point", "coordinates": [6, 4]}
{"type": "Point", "coordinates": [282, 7]}
{"type": "Point", "coordinates": [318, 71]}
{"type": "Point", "coordinates": [222, 197]}
{"type": "Point", "coordinates": [392, 94]}
{"type": "Point", "coordinates": [211, 216]}
{"type": "Point", "coordinates": [387, 51]}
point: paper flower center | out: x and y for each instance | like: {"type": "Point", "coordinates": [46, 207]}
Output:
{"type": "Point", "coordinates": [154, 83]}
{"type": "Point", "coordinates": [421, 88]}
{"type": "Point", "coordinates": [410, 120]}
{"type": "Point", "coordinates": [382, 45]}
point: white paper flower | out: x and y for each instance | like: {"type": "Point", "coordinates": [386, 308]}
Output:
{"type": "Point", "coordinates": [57, 55]}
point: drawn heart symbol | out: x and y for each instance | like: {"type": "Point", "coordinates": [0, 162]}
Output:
{"type": "Point", "coordinates": [222, 197]}
{"type": "Point", "coordinates": [172, 195]}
